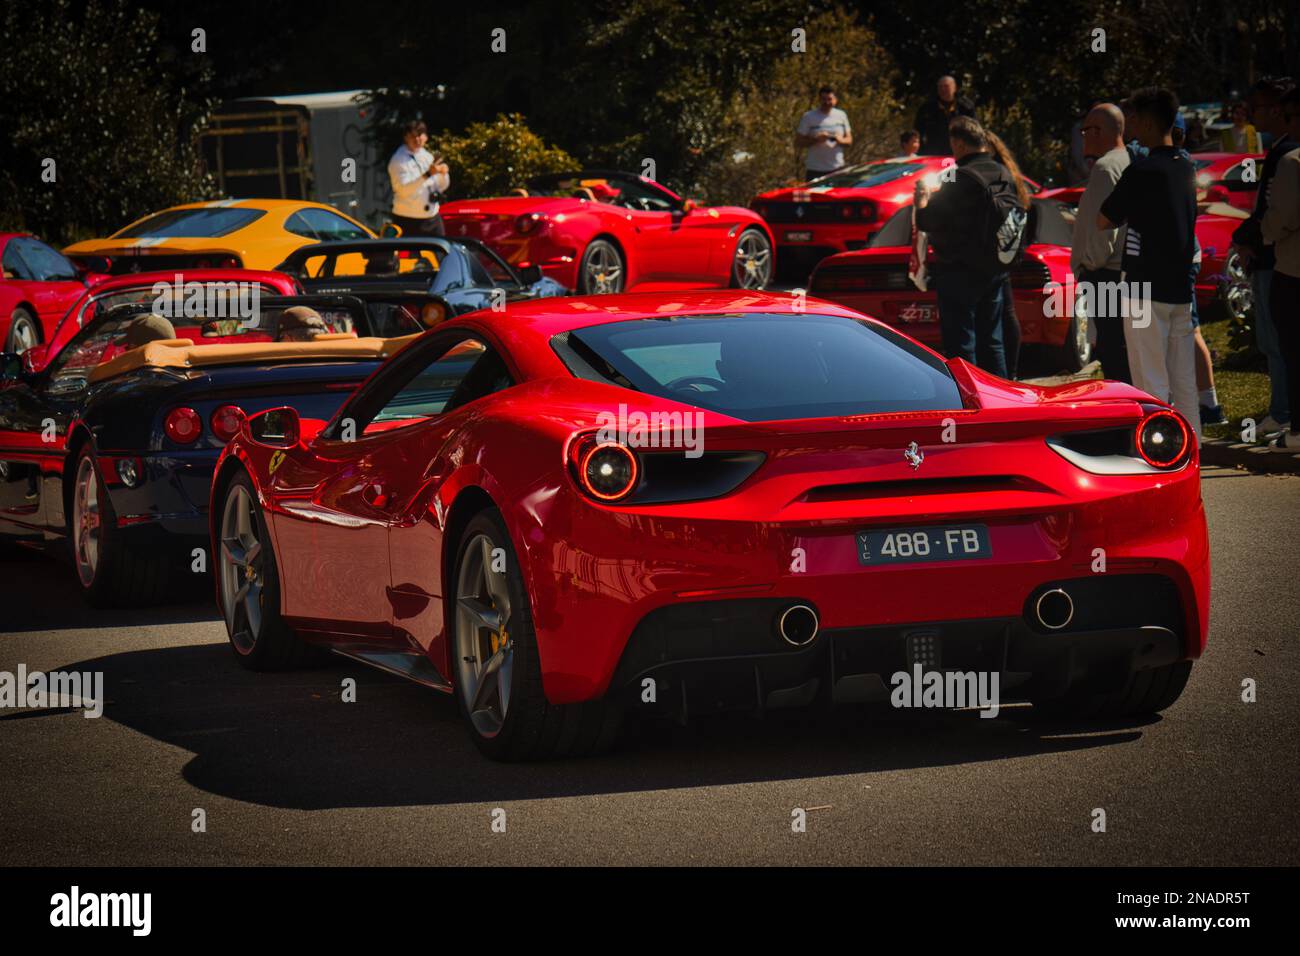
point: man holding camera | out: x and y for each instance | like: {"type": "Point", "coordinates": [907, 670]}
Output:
{"type": "Point", "coordinates": [419, 179]}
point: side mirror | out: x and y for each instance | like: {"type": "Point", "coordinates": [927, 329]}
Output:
{"type": "Point", "coordinates": [276, 427]}
{"type": "Point", "coordinates": [690, 205]}
{"type": "Point", "coordinates": [36, 358]}
{"type": "Point", "coordinates": [1217, 194]}
{"type": "Point", "coordinates": [530, 274]}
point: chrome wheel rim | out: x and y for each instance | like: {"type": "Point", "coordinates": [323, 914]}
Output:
{"type": "Point", "coordinates": [1234, 269]}
{"type": "Point", "coordinates": [85, 521]}
{"type": "Point", "coordinates": [241, 570]}
{"type": "Point", "coordinates": [753, 261]}
{"type": "Point", "coordinates": [604, 270]}
{"type": "Point", "coordinates": [1239, 297]}
{"type": "Point", "coordinates": [484, 647]}
{"type": "Point", "coordinates": [1081, 346]}
{"type": "Point", "coordinates": [22, 335]}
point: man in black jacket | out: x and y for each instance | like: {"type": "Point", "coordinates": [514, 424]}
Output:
{"type": "Point", "coordinates": [933, 117]}
{"type": "Point", "coordinates": [1266, 109]}
{"type": "Point", "coordinates": [957, 219]}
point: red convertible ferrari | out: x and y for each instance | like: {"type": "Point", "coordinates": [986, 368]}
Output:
{"type": "Point", "coordinates": [600, 231]}
{"type": "Point", "coordinates": [683, 504]}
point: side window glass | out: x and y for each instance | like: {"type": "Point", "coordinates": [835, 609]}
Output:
{"type": "Point", "coordinates": [48, 265]}
{"type": "Point", "coordinates": [14, 266]}
{"type": "Point", "coordinates": [299, 226]}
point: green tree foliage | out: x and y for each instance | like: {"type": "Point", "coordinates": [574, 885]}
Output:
{"type": "Point", "coordinates": [87, 87]}
{"type": "Point", "coordinates": [490, 159]}
{"type": "Point", "coordinates": [759, 151]}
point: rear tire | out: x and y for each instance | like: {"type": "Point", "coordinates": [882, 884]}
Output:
{"type": "Point", "coordinates": [112, 572]}
{"type": "Point", "coordinates": [248, 587]}
{"type": "Point", "coordinates": [752, 266]}
{"type": "Point", "coordinates": [602, 270]}
{"type": "Point", "coordinates": [492, 635]}
{"type": "Point", "coordinates": [1147, 692]}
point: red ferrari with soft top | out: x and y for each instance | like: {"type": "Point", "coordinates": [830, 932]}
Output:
{"type": "Point", "coordinates": [685, 503]}
{"type": "Point", "coordinates": [601, 231]}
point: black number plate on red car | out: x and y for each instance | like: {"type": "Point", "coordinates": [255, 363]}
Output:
{"type": "Point", "coordinates": [914, 545]}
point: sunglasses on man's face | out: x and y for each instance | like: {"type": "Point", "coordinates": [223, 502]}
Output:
{"type": "Point", "coordinates": [1090, 129]}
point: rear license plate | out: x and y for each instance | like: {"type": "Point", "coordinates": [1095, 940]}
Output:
{"type": "Point", "coordinates": [798, 237]}
{"type": "Point", "coordinates": [909, 312]}
{"type": "Point", "coordinates": [912, 545]}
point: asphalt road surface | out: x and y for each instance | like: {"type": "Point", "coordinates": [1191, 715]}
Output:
{"type": "Point", "coordinates": [285, 772]}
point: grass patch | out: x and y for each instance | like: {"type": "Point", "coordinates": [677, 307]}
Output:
{"type": "Point", "coordinates": [1243, 394]}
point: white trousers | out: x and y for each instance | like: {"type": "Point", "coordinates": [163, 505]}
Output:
{"type": "Point", "coordinates": [1162, 355]}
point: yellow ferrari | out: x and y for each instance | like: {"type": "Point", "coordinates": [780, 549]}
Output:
{"type": "Point", "coordinates": [224, 234]}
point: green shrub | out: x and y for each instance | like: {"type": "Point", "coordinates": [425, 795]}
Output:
{"type": "Point", "coordinates": [490, 159]}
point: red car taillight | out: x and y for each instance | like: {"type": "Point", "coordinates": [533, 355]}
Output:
{"type": "Point", "coordinates": [226, 421]}
{"type": "Point", "coordinates": [607, 471]}
{"type": "Point", "coordinates": [432, 313]}
{"type": "Point", "coordinates": [183, 425]}
{"type": "Point", "coordinates": [528, 222]}
{"type": "Point", "coordinates": [1163, 439]}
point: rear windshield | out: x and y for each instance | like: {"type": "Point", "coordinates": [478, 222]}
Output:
{"type": "Point", "coordinates": [763, 367]}
{"type": "Point", "coordinates": [203, 223]}
{"type": "Point", "coordinates": [873, 174]}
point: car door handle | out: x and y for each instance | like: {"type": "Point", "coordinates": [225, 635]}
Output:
{"type": "Point", "coordinates": [373, 495]}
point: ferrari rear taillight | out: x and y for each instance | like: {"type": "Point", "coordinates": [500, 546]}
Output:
{"type": "Point", "coordinates": [226, 421]}
{"type": "Point", "coordinates": [605, 470]}
{"type": "Point", "coordinates": [1163, 439]}
{"type": "Point", "coordinates": [608, 472]}
{"type": "Point", "coordinates": [528, 222]}
{"type": "Point", "coordinates": [432, 313]}
{"type": "Point", "coordinates": [230, 262]}
{"type": "Point", "coordinates": [183, 425]}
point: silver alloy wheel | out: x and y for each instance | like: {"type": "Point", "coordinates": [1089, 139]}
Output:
{"type": "Point", "coordinates": [753, 266]}
{"type": "Point", "coordinates": [1081, 346]}
{"type": "Point", "coordinates": [604, 270]}
{"type": "Point", "coordinates": [1239, 299]}
{"type": "Point", "coordinates": [86, 536]}
{"type": "Point", "coordinates": [241, 570]}
{"type": "Point", "coordinates": [484, 649]}
{"type": "Point", "coordinates": [1234, 269]}
{"type": "Point", "coordinates": [22, 334]}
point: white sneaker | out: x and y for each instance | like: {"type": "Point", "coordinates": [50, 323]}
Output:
{"type": "Point", "coordinates": [1288, 442]}
{"type": "Point", "coordinates": [1270, 425]}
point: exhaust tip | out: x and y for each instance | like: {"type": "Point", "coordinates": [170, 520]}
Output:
{"type": "Point", "coordinates": [797, 625]}
{"type": "Point", "coordinates": [1054, 609]}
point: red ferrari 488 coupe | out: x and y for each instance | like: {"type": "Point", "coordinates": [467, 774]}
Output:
{"type": "Point", "coordinates": [601, 231]}
{"type": "Point", "coordinates": [673, 505]}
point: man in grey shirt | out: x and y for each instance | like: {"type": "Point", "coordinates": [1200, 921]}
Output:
{"type": "Point", "coordinates": [1096, 254]}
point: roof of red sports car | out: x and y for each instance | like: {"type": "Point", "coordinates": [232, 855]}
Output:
{"type": "Point", "coordinates": [551, 316]}
{"type": "Point", "coordinates": [525, 328]}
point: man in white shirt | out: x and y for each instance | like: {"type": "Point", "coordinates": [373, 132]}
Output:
{"type": "Point", "coordinates": [419, 179]}
{"type": "Point", "coordinates": [824, 132]}
{"type": "Point", "coordinates": [1096, 255]}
